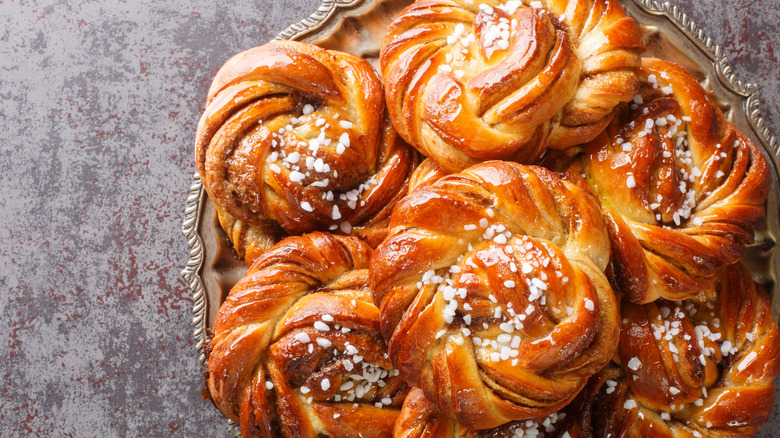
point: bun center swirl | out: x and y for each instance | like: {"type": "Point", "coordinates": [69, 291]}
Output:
{"type": "Point", "coordinates": [492, 294]}
{"type": "Point", "coordinates": [472, 81]}
{"type": "Point", "coordinates": [297, 134]}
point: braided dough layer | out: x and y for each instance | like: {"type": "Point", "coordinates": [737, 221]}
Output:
{"type": "Point", "coordinates": [297, 350]}
{"type": "Point", "coordinates": [298, 135]}
{"type": "Point", "coordinates": [473, 81]}
{"type": "Point", "coordinates": [492, 294]}
{"type": "Point", "coordinates": [703, 367]}
{"type": "Point", "coordinates": [682, 190]}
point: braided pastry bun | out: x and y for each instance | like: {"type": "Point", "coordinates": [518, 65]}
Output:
{"type": "Point", "coordinates": [422, 419]}
{"type": "Point", "coordinates": [492, 295]}
{"type": "Point", "coordinates": [682, 190]}
{"type": "Point", "coordinates": [297, 350]}
{"type": "Point", "coordinates": [471, 81]}
{"type": "Point", "coordinates": [699, 368]}
{"type": "Point", "coordinates": [298, 135]}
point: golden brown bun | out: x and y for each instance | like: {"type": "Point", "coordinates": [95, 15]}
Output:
{"type": "Point", "coordinates": [682, 190]}
{"type": "Point", "coordinates": [297, 349]}
{"type": "Point", "coordinates": [700, 368]}
{"type": "Point", "coordinates": [298, 135]}
{"type": "Point", "coordinates": [422, 419]}
{"type": "Point", "coordinates": [511, 257]}
{"type": "Point", "coordinates": [465, 84]}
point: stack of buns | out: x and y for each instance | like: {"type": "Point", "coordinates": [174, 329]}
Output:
{"type": "Point", "coordinates": [518, 228]}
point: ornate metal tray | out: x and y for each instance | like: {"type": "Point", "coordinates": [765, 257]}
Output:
{"type": "Point", "coordinates": [357, 26]}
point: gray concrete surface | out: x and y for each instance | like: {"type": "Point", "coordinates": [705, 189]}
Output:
{"type": "Point", "coordinates": [98, 106]}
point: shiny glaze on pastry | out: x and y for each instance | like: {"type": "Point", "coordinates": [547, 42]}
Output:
{"type": "Point", "coordinates": [492, 295]}
{"type": "Point", "coordinates": [426, 173]}
{"type": "Point", "coordinates": [682, 190]}
{"type": "Point", "coordinates": [298, 135]}
{"type": "Point", "coordinates": [703, 367]}
{"type": "Point", "coordinates": [297, 351]}
{"type": "Point", "coordinates": [468, 81]}
{"type": "Point", "coordinates": [422, 419]}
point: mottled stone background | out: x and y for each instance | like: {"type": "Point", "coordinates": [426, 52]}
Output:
{"type": "Point", "coordinates": [98, 106]}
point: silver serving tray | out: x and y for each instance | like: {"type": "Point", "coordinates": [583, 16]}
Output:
{"type": "Point", "coordinates": [357, 26]}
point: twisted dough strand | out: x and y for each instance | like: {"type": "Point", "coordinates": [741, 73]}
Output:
{"type": "Point", "coordinates": [298, 135]}
{"type": "Point", "coordinates": [492, 295]}
{"type": "Point", "coordinates": [682, 189]}
{"type": "Point", "coordinates": [502, 80]}
{"type": "Point", "coordinates": [297, 350]}
{"type": "Point", "coordinates": [422, 419]}
{"type": "Point", "coordinates": [426, 173]}
{"type": "Point", "coordinates": [249, 241]}
{"type": "Point", "coordinates": [700, 368]}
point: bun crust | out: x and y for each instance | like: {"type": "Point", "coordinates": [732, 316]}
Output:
{"type": "Point", "coordinates": [682, 190]}
{"type": "Point", "coordinates": [290, 339]}
{"type": "Point", "coordinates": [473, 81]}
{"type": "Point", "coordinates": [298, 135]}
{"type": "Point", "coordinates": [700, 368]}
{"type": "Point", "coordinates": [492, 295]}
{"type": "Point", "coordinates": [422, 419]}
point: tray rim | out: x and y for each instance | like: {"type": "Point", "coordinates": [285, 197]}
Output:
{"type": "Point", "coordinates": [330, 11]}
